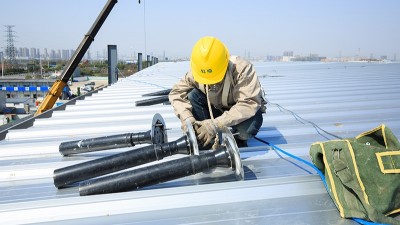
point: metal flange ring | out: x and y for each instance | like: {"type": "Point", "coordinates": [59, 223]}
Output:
{"type": "Point", "coordinates": [233, 150]}
{"type": "Point", "coordinates": [158, 130]}
{"type": "Point", "coordinates": [191, 135]}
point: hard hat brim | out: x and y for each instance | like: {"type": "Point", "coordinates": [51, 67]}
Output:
{"type": "Point", "coordinates": [216, 78]}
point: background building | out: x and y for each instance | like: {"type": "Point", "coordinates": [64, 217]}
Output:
{"type": "Point", "coordinates": [21, 88]}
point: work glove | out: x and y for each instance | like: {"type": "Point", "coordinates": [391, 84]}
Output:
{"type": "Point", "coordinates": [206, 131]}
{"type": "Point", "coordinates": [183, 123]}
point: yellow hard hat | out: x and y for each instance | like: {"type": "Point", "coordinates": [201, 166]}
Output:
{"type": "Point", "coordinates": [209, 60]}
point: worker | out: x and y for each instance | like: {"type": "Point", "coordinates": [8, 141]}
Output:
{"type": "Point", "coordinates": [219, 91]}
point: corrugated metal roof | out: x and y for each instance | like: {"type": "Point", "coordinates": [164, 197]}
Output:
{"type": "Point", "coordinates": [343, 99]}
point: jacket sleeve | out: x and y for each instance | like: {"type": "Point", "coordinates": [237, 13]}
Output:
{"type": "Point", "coordinates": [178, 97]}
{"type": "Point", "coordinates": [246, 95]}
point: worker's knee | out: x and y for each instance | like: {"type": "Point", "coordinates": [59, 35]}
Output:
{"type": "Point", "coordinates": [198, 100]}
{"type": "Point", "coordinates": [249, 128]}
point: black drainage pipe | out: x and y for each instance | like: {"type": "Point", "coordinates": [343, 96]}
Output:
{"type": "Point", "coordinates": [98, 167]}
{"type": "Point", "coordinates": [153, 101]}
{"type": "Point", "coordinates": [158, 93]}
{"type": "Point", "coordinates": [157, 135]}
{"type": "Point", "coordinates": [227, 156]}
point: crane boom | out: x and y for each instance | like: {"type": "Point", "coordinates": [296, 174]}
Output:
{"type": "Point", "coordinates": [56, 90]}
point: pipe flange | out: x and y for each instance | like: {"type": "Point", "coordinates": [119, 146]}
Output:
{"type": "Point", "coordinates": [191, 135]}
{"type": "Point", "coordinates": [234, 154]}
{"type": "Point", "coordinates": [158, 130]}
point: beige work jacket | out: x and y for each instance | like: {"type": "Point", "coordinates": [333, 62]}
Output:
{"type": "Point", "coordinates": [244, 98]}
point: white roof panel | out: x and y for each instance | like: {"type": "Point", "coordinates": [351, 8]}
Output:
{"type": "Point", "coordinates": [343, 99]}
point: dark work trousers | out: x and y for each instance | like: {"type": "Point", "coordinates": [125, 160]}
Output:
{"type": "Point", "coordinates": [245, 130]}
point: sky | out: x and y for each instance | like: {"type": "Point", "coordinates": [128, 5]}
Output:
{"type": "Point", "coordinates": [329, 28]}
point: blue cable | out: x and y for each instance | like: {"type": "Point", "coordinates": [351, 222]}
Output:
{"type": "Point", "coordinates": [297, 158]}
{"type": "Point", "coordinates": [364, 222]}
{"type": "Point", "coordinates": [360, 221]}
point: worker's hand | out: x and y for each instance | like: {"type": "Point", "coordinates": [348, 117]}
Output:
{"type": "Point", "coordinates": [206, 131]}
{"type": "Point", "coordinates": [183, 123]}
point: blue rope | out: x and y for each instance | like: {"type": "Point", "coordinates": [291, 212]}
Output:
{"type": "Point", "coordinates": [360, 221]}
{"type": "Point", "coordinates": [297, 158]}
{"type": "Point", "coordinates": [364, 222]}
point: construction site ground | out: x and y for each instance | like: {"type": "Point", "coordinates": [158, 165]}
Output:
{"type": "Point", "coordinates": [99, 81]}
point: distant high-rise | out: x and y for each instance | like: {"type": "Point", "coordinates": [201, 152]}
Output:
{"type": "Point", "coordinates": [45, 53]}
{"type": "Point", "coordinates": [65, 54]}
{"type": "Point", "coordinates": [71, 52]}
{"type": "Point", "coordinates": [19, 52]}
{"type": "Point", "coordinates": [24, 53]}
{"type": "Point", "coordinates": [33, 53]}
{"type": "Point", "coordinates": [53, 54]}
{"type": "Point", "coordinates": [288, 53]}
{"type": "Point", "coordinates": [27, 53]}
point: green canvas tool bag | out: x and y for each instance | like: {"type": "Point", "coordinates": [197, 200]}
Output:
{"type": "Point", "coordinates": [362, 174]}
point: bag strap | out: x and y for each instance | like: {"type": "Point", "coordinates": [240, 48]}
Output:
{"type": "Point", "coordinates": [227, 84]}
{"type": "Point", "coordinates": [225, 91]}
{"type": "Point", "coordinates": [202, 89]}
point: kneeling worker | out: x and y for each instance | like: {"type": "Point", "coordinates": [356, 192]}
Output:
{"type": "Point", "coordinates": [219, 90]}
